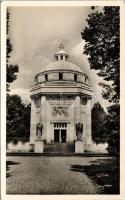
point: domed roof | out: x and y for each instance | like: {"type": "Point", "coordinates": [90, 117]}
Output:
{"type": "Point", "coordinates": [61, 62]}
{"type": "Point", "coordinates": [62, 65]}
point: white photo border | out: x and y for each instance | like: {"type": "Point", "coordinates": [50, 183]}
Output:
{"type": "Point", "coordinates": [4, 6]}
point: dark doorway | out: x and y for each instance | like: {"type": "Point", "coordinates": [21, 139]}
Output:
{"type": "Point", "coordinates": [63, 136]}
{"type": "Point", "coordinates": [56, 135]}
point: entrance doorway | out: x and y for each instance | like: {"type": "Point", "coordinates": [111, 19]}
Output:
{"type": "Point", "coordinates": [63, 135]}
{"type": "Point", "coordinates": [60, 135]}
{"type": "Point", "coordinates": [56, 135]}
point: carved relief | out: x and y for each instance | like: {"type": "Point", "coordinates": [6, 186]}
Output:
{"type": "Point", "coordinates": [37, 102]}
{"type": "Point", "coordinates": [83, 100]}
{"type": "Point", "coordinates": [60, 105]}
{"type": "Point", "coordinates": [60, 111]}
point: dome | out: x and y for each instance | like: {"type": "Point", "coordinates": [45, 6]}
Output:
{"type": "Point", "coordinates": [61, 70]}
{"type": "Point", "coordinates": [62, 65]}
{"type": "Point", "coordinates": [61, 62]}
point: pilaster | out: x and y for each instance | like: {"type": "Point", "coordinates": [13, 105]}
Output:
{"type": "Point", "coordinates": [43, 115]}
{"type": "Point", "coordinates": [33, 122]}
{"type": "Point", "coordinates": [77, 110]}
{"type": "Point", "coordinates": [88, 124]}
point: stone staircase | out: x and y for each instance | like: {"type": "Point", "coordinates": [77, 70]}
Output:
{"type": "Point", "coordinates": [59, 148]}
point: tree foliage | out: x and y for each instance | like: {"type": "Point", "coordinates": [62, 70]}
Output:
{"type": "Point", "coordinates": [99, 128]}
{"type": "Point", "coordinates": [11, 70]}
{"type": "Point", "coordinates": [102, 37]}
{"type": "Point", "coordinates": [18, 118]}
{"type": "Point", "coordinates": [113, 125]}
{"type": "Point", "coordinates": [106, 127]}
{"type": "Point", "coordinates": [18, 114]}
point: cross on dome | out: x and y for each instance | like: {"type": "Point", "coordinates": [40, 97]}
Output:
{"type": "Point", "coordinates": [61, 46]}
{"type": "Point", "coordinates": [61, 54]}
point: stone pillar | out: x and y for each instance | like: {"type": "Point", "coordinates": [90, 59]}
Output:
{"type": "Point", "coordinates": [83, 121]}
{"type": "Point", "coordinates": [49, 127]}
{"type": "Point", "coordinates": [77, 110]}
{"type": "Point", "coordinates": [79, 145]}
{"type": "Point", "coordinates": [32, 125]}
{"type": "Point", "coordinates": [88, 125]}
{"type": "Point", "coordinates": [43, 116]}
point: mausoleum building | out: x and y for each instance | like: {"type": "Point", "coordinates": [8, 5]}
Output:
{"type": "Point", "coordinates": [61, 107]}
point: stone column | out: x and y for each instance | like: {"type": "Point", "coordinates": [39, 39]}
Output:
{"type": "Point", "coordinates": [49, 127]}
{"type": "Point", "coordinates": [79, 145]}
{"type": "Point", "coordinates": [71, 135]}
{"type": "Point", "coordinates": [77, 110]}
{"type": "Point", "coordinates": [88, 125]}
{"type": "Point", "coordinates": [43, 115]}
{"type": "Point", "coordinates": [32, 125]}
{"type": "Point", "coordinates": [83, 121]}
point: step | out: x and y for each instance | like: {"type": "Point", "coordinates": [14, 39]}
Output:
{"type": "Point", "coordinates": [86, 154]}
{"type": "Point", "coordinates": [59, 148]}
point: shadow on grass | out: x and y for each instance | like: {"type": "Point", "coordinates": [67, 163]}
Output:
{"type": "Point", "coordinates": [105, 172]}
{"type": "Point", "coordinates": [8, 163]}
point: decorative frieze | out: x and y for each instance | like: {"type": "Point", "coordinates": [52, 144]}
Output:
{"type": "Point", "coordinates": [60, 97]}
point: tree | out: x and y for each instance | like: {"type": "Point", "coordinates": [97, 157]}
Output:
{"type": "Point", "coordinates": [113, 124]}
{"type": "Point", "coordinates": [11, 70]}
{"type": "Point", "coordinates": [103, 48]}
{"type": "Point", "coordinates": [18, 114]}
{"type": "Point", "coordinates": [99, 128]}
{"type": "Point", "coordinates": [18, 118]}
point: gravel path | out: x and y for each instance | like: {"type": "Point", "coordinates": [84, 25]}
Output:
{"type": "Point", "coordinates": [48, 175]}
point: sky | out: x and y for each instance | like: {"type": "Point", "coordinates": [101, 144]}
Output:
{"type": "Point", "coordinates": [36, 33]}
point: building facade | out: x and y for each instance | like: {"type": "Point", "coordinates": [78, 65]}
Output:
{"type": "Point", "coordinates": [61, 107]}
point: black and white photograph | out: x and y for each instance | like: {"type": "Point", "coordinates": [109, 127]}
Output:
{"type": "Point", "coordinates": [62, 99]}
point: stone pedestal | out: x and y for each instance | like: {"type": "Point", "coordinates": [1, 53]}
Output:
{"type": "Point", "coordinates": [39, 146]}
{"type": "Point", "coordinates": [31, 147]}
{"type": "Point", "coordinates": [79, 147]}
